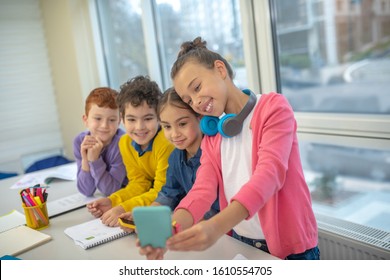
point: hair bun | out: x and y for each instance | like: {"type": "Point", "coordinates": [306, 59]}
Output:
{"type": "Point", "coordinates": [188, 46]}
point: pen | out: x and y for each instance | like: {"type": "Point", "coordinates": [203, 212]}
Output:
{"type": "Point", "coordinates": [31, 198]}
{"type": "Point", "coordinates": [21, 195]}
{"type": "Point", "coordinates": [38, 200]}
{"type": "Point", "coordinates": [28, 200]}
{"type": "Point", "coordinates": [39, 194]}
{"type": "Point", "coordinates": [45, 194]}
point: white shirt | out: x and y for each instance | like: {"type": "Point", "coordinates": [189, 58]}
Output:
{"type": "Point", "coordinates": [236, 157]}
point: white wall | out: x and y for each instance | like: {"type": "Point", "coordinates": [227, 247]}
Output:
{"type": "Point", "coordinates": [72, 59]}
{"type": "Point", "coordinates": [69, 50]}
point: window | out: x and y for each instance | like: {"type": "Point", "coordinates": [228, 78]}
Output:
{"type": "Point", "coordinates": [123, 40]}
{"type": "Point", "coordinates": [218, 22]}
{"type": "Point", "coordinates": [330, 62]}
{"type": "Point", "coordinates": [349, 183]}
{"type": "Point", "coordinates": [333, 65]}
{"type": "Point", "coordinates": [128, 52]}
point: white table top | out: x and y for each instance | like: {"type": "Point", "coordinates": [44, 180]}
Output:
{"type": "Point", "coordinates": [61, 247]}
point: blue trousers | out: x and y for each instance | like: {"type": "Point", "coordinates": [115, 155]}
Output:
{"type": "Point", "coordinates": [310, 254]}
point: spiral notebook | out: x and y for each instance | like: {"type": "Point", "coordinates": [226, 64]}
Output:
{"type": "Point", "coordinates": [93, 233]}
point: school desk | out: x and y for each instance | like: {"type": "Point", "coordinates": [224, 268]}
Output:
{"type": "Point", "coordinates": [61, 247]}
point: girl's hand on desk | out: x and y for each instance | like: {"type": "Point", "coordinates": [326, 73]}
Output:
{"type": "Point", "coordinates": [150, 252]}
{"type": "Point", "coordinates": [199, 237]}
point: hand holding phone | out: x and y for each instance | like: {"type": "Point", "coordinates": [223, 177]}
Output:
{"type": "Point", "coordinates": [127, 223]}
{"type": "Point", "coordinates": [154, 225]}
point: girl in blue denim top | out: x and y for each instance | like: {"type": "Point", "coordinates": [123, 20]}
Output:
{"type": "Point", "coordinates": [181, 127]}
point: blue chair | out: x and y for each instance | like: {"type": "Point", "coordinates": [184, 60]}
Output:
{"type": "Point", "coordinates": [47, 163]}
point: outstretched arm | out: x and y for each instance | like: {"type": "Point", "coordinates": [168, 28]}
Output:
{"type": "Point", "coordinates": [201, 236]}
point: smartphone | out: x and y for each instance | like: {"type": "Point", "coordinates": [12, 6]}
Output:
{"type": "Point", "coordinates": [126, 223]}
{"type": "Point", "coordinates": [154, 225]}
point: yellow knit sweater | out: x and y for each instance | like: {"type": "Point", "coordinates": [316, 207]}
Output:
{"type": "Point", "coordinates": [146, 173]}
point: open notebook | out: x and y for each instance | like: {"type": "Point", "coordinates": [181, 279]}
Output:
{"type": "Point", "coordinates": [66, 172]}
{"type": "Point", "coordinates": [69, 203]}
{"type": "Point", "coordinates": [20, 239]}
{"type": "Point", "coordinates": [15, 237]}
{"type": "Point", "coordinates": [93, 233]}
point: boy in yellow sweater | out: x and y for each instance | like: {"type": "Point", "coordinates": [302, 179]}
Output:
{"type": "Point", "coordinates": [144, 149]}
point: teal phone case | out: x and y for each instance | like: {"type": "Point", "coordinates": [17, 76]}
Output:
{"type": "Point", "coordinates": [154, 225]}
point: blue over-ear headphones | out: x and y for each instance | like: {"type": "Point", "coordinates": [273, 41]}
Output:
{"type": "Point", "coordinates": [231, 124]}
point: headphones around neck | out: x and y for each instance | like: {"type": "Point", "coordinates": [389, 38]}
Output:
{"type": "Point", "coordinates": [230, 124]}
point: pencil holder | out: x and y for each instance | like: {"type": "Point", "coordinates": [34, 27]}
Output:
{"type": "Point", "coordinates": [36, 216]}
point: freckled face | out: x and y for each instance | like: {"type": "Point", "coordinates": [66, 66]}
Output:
{"type": "Point", "coordinates": [102, 122]}
{"type": "Point", "coordinates": [141, 123]}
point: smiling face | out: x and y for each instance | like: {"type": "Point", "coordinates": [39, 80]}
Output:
{"type": "Point", "coordinates": [202, 88]}
{"type": "Point", "coordinates": [181, 128]}
{"type": "Point", "coordinates": [102, 122]}
{"type": "Point", "coordinates": [141, 123]}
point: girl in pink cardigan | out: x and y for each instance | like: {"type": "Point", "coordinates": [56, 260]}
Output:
{"type": "Point", "coordinates": [252, 163]}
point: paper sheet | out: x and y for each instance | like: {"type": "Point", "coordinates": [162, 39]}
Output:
{"type": "Point", "coordinates": [65, 172]}
{"type": "Point", "coordinates": [20, 239]}
{"type": "Point", "coordinates": [69, 203]}
{"type": "Point", "coordinates": [11, 220]}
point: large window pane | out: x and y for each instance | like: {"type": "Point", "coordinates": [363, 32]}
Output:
{"type": "Point", "coordinates": [123, 39]}
{"type": "Point", "coordinates": [347, 183]}
{"type": "Point", "coordinates": [334, 55]}
{"type": "Point", "coordinates": [218, 22]}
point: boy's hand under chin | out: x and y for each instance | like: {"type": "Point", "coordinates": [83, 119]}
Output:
{"type": "Point", "coordinates": [95, 149]}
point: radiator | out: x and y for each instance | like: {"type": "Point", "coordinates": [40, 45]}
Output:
{"type": "Point", "coordinates": [343, 240]}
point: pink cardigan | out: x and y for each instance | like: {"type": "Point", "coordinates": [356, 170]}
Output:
{"type": "Point", "coordinates": [277, 190]}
